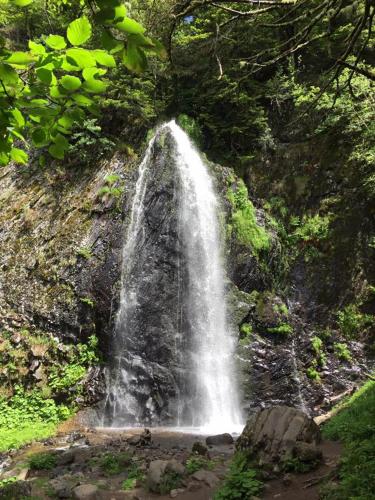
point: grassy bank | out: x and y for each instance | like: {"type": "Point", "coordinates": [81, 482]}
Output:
{"type": "Point", "coordinates": [354, 425]}
{"type": "Point", "coordinates": [15, 438]}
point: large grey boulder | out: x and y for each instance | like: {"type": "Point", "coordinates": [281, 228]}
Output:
{"type": "Point", "coordinates": [278, 434]}
{"type": "Point", "coordinates": [86, 492]}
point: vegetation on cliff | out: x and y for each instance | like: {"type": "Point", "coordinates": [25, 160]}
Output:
{"type": "Point", "coordinates": [282, 92]}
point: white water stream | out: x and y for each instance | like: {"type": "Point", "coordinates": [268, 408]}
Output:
{"type": "Point", "coordinates": [212, 380]}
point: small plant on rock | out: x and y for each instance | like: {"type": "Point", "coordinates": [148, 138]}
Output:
{"type": "Point", "coordinates": [134, 475]}
{"type": "Point", "coordinates": [342, 351]}
{"type": "Point", "coordinates": [284, 329]}
{"type": "Point", "coordinates": [113, 464]}
{"type": "Point", "coordinates": [195, 463]}
{"type": "Point", "coordinates": [246, 330]}
{"type": "Point", "coordinates": [85, 252]}
{"type": "Point", "coordinates": [313, 374]}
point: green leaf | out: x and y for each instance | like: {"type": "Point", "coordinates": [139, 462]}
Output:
{"type": "Point", "coordinates": [82, 100]}
{"type": "Point", "coordinates": [134, 58]}
{"type": "Point", "coordinates": [88, 73]}
{"type": "Point", "coordinates": [81, 58]}
{"type": "Point", "coordinates": [44, 75]}
{"type": "Point", "coordinates": [19, 156]}
{"type": "Point", "coordinates": [20, 58]}
{"type": "Point", "coordinates": [70, 83]}
{"type": "Point", "coordinates": [18, 116]}
{"type": "Point", "coordinates": [8, 74]}
{"type": "Point", "coordinates": [36, 48]}
{"type": "Point", "coordinates": [66, 122]}
{"type": "Point", "coordinates": [79, 31]}
{"type": "Point", "coordinates": [55, 92]}
{"type": "Point", "coordinates": [22, 3]}
{"type": "Point", "coordinates": [95, 86]}
{"type": "Point", "coordinates": [56, 42]}
{"type": "Point", "coordinates": [110, 43]}
{"type": "Point", "coordinates": [58, 149]}
{"type": "Point", "coordinates": [105, 59]}
{"type": "Point", "coordinates": [130, 26]}
{"type": "Point", "coordinates": [38, 136]}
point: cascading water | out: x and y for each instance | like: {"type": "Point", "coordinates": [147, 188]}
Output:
{"type": "Point", "coordinates": [173, 352]}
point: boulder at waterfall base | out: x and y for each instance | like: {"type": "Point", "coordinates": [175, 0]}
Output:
{"type": "Point", "coordinates": [278, 434]}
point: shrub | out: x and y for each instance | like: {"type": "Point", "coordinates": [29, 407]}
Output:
{"type": "Point", "coordinates": [42, 461]}
{"type": "Point", "coordinates": [241, 481]}
{"type": "Point", "coordinates": [191, 127]}
{"type": "Point", "coordinates": [170, 481]}
{"type": "Point", "coordinates": [244, 222]}
{"type": "Point", "coordinates": [352, 322]}
{"type": "Point", "coordinates": [195, 463]}
{"type": "Point", "coordinates": [113, 464]}
{"type": "Point", "coordinates": [134, 475]}
{"type": "Point", "coordinates": [342, 351]}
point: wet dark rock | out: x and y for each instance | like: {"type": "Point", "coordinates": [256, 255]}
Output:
{"type": "Point", "coordinates": [199, 449]}
{"type": "Point", "coordinates": [219, 439]}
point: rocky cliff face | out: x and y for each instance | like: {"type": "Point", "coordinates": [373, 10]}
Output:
{"type": "Point", "coordinates": [61, 243]}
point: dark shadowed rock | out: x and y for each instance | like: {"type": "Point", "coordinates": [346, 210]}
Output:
{"type": "Point", "coordinates": [199, 449]}
{"type": "Point", "coordinates": [279, 433]}
{"type": "Point", "coordinates": [219, 439]}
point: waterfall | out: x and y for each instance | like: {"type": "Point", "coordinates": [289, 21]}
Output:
{"type": "Point", "coordinates": [173, 349]}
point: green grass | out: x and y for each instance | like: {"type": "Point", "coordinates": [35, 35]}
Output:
{"type": "Point", "coordinates": [354, 425]}
{"type": "Point", "coordinates": [15, 438]}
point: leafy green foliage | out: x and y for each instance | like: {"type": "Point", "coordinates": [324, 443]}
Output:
{"type": "Point", "coordinates": [111, 188]}
{"type": "Point", "coordinates": [26, 432]}
{"type": "Point", "coordinates": [244, 222]}
{"type": "Point", "coordinates": [42, 461]}
{"type": "Point", "coordinates": [312, 373]}
{"type": "Point", "coordinates": [85, 252]}
{"type": "Point", "coordinates": [29, 410]}
{"type": "Point", "coordinates": [134, 475]}
{"type": "Point", "coordinates": [50, 89]}
{"type": "Point", "coordinates": [318, 348]}
{"type": "Point", "coordinates": [354, 425]}
{"type": "Point", "coordinates": [352, 322]}
{"type": "Point", "coordinates": [296, 465]}
{"type": "Point", "coordinates": [87, 141]}
{"type": "Point", "coordinates": [29, 407]}
{"type": "Point", "coordinates": [245, 333]}
{"type": "Point", "coordinates": [197, 462]}
{"type": "Point", "coordinates": [191, 127]}
{"type": "Point", "coordinates": [241, 481]}
{"type": "Point", "coordinates": [170, 481]}
{"type": "Point", "coordinates": [283, 329]}
{"type": "Point", "coordinates": [115, 463]}
{"type": "Point", "coordinates": [7, 481]}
